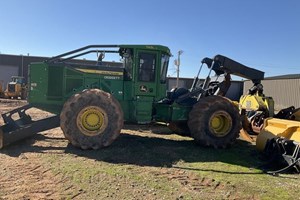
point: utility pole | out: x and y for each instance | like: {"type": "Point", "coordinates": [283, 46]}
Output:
{"type": "Point", "coordinates": [177, 63]}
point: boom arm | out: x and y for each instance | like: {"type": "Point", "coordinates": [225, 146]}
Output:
{"type": "Point", "coordinates": [223, 64]}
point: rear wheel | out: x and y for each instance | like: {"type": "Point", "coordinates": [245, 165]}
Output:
{"type": "Point", "coordinates": [91, 119]}
{"type": "Point", "coordinates": [214, 121]}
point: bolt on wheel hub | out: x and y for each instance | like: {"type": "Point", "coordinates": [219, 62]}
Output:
{"type": "Point", "coordinates": [220, 123]}
{"type": "Point", "coordinates": [92, 120]}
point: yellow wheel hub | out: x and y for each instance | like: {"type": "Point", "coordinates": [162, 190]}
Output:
{"type": "Point", "coordinates": [220, 123]}
{"type": "Point", "coordinates": [92, 120]}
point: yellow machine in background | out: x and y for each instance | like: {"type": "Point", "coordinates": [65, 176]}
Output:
{"type": "Point", "coordinates": [16, 88]}
{"type": "Point", "coordinates": [278, 135]}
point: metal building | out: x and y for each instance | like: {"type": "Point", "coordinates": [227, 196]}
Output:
{"type": "Point", "coordinates": [285, 90]}
{"type": "Point", "coordinates": [182, 82]}
{"type": "Point", "coordinates": [15, 65]}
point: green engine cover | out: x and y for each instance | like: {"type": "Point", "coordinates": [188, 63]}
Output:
{"type": "Point", "coordinates": [51, 86]}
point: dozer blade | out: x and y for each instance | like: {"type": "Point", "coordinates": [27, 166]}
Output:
{"type": "Point", "coordinates": [15, 130]}
{"type": "Point", "coordinates": [274, 128]}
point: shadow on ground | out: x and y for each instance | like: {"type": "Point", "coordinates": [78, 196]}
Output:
{"type": "Point", "coordinates": [147, 150]}
{"type": "Point", "coordinates": [159, 152]}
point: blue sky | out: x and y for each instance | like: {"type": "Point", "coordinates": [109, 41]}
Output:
{"type": "Point", "coordinates": [263, 34]}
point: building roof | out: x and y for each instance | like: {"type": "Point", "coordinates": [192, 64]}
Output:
{"type": "Point", "coordinates": [287, 76]}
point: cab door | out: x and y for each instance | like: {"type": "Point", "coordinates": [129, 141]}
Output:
{"type": "Point", "coordinates": [145, 85]}
{"type": "Point", "coordinates": [146, 73]}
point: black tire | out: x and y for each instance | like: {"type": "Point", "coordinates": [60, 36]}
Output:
{"type": "Point", "coordinates": [214, 121]}
{"type": "Point", "coordinates": [91, 119]}
{"type": "Point", "coordinates": [180, 128]}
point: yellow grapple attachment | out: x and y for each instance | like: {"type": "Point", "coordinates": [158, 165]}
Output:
{"type": "Point", "coordinates": [278, 128]}
{"type": "Point", "coordinates": [257, 103]}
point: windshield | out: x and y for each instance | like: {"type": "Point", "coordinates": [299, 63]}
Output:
{"type": "Point", "coordinates": [164, 68]}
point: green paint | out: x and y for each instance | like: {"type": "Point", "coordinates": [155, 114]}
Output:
{"type": "Point", "coordinates": [51, 84]}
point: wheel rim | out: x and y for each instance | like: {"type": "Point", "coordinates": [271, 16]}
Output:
{"type": "Point", "coordinates": [92, 120]}
{"type": "Point", "coordinates": [220, 124]}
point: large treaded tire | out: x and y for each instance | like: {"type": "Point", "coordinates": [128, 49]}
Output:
{"type": "Point", "coordinates": [103, 103]}
{"type": "Point", "coordinates": [202, 117]}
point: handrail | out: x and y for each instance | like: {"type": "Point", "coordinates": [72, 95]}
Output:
{"type": "Point", "coordinates": [55, 58]}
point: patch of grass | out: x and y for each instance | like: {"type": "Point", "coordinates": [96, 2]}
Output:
{"type": "Point", "coordinates": [102, 180]}
{"type": "Point", "coordinates": [241, 166]}
{"type": "Point", "coordinates": [143, 165]}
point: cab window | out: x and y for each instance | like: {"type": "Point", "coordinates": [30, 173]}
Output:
{"type": "Point", "coordinates": [164, 68]}
{"type": "Point", "coordinates": [146, 68]}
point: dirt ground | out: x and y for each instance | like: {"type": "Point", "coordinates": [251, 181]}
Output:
{"type": "Point", "coordinates": [22, 176]}
{"type": "Point", "coordinates": [26, 174]}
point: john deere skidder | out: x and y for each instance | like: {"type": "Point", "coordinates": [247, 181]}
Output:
{"type": "Point", "coordinates": [91, 100]}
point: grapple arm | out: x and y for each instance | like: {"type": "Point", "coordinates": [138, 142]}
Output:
{"type": "Point", "coordinates": [223, 64]}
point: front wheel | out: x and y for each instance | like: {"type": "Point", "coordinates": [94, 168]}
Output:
{"type": "Point", "coordinates": [91, 119]}
{"type": "Point", "coordinates": [214, 121]}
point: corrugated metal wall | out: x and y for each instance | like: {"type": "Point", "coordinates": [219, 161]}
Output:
{"type": "Point", "coordinates": [183, 82]}
{"type": "Point", "coordinates": [6, 72]}
{"type": "Point", "coordinates": [285, 92]}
